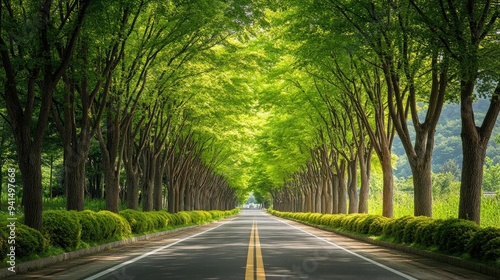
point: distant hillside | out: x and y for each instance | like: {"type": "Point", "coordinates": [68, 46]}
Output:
{"type": "Point", "coordinates": [448, 145]}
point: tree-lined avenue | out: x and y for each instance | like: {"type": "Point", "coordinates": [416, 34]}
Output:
{"type": "Point", "coordinates": [220, 251]}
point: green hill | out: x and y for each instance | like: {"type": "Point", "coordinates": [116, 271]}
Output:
{"type": "Point", "coordinates": [447, 144]}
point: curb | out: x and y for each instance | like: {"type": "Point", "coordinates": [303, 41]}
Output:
{"type": "Point", "coordinates": [44, 262]}
{"type": "Point", "coordinates": [470, 265]}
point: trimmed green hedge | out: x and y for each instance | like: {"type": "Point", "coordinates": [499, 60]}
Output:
{"type": "Point", "coordinates": [67, 229]}
{"type": "Point", "coordinates": [91, 227]}
{"type": "Point", "coordinates": [27, 241]}
{"type": "Point", "coordinates": [453, 236]}
{"type": "Point", "coordinates": [62, 228]}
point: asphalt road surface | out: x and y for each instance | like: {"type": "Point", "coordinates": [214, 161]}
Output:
{"type": "Point", "coordinates": [254, 245]}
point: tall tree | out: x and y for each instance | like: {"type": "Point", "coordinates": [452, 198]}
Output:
{"type": "Point", "coordinates": [467, 30]}
{"type": "Point", "coordinates": [37, 42]}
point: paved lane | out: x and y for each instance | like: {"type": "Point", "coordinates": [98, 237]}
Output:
{"type": "Point", "coordinates": [253, 246]}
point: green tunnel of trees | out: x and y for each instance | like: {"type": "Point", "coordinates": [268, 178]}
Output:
{"type": "Point", "coordinates": [187, 105]}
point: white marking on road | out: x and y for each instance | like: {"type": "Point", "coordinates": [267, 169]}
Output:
{"type": "Point", "coordinates": [406, 276]}
{"type": "Point", "coordinates": [118, 266]}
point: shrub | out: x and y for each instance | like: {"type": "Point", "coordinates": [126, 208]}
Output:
{"type": "Point", "coordinates": [217, 214]}
{"type": "Point", "coordinates": [159, 219]}
{"type": "Point", "coordinates": [139, 222]}
{"type": "Point", "coordinates": [410, 230]}
{"type": "Point", "coordinates": [106, 224]}
{"type": "Point", "coordinates": [388, 228]}
{"type": "Point", "coordinates": [363, 224]}
{"type": "Point", "coordinates": [62, 228]}
{"type": "Point", "coordinates": [336, 221]}
{"type": "Point", "coordinates": [4, 241]}
{"type": "Point", "coordinates": [398, 227]}
{"type": "Point", "coordinates": [325, 219]}
{"type": "Point", "coordinates": [454, 234]}
{"type": "Point", "coordinates": [314, 218]}
{"type": "Point", "coordinates": [29, 241]}
{"type": "Point", "coordinates": [425, 231]}
{"type": "Point", "coordinates": [377, 225]}
{"type": "Point", "coordinates": [492, 249]}
{"type": "Point", "coordinates": [477, 245]}
{"type": "Point", "coordinates": [197, 217]}
{"type": "Point", "coordinates": [184, 217]}
{"type": "Point", "coordinates": [91, 228]}
{"type": "Point", "coordinates": [348, 221]}
{"type": "Point", "coordinates": [174, 220]}
{"type": "Point", "coordinates": [118, 227]}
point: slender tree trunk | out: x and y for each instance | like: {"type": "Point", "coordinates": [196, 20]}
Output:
{"type": "Point", "coordinates": [158, 183]}
{"type": "Point", "coordinates": [132, 187]}
{"type": "Point", "coordinates": [353, 186]}
{"type": "Point", "coordinates": [335, 193]}
{"type": "Point", "coordinates": [342, 187]}
{"type": "Point", "coordinates": [388, 185]}
{"type": "Point", "coordinates": [364, 170]}
{"type": "Point", "coordinates": [148, 179]}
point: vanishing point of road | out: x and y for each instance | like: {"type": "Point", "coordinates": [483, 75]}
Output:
{"type": "Point", "coordinates": [252, 246]}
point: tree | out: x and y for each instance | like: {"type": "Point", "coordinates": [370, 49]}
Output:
{"type": "Point", "coordinates": [37, 43]}
{"type": "Point", "coordinates": [467, 31]}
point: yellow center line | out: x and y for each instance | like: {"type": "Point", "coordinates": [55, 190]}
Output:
{"type": "Point", "coordinates": [261, 274]}
{"type": "Point", "coordinates": [250, 269]}
{"type": "Point", "coordinates": [254, 245]}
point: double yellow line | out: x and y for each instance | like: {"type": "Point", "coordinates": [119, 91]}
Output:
{"type": "Point", "coordinates": [255, 264]}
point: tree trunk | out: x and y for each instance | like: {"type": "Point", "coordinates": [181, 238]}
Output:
{"type": "Point", "coordinates": [74, 177]}
{"type": "Point", "coordinates": [474, 145]}
{"type": "Point", "coordinates": [132, 186]}
{"type": "Point", "coordinates": [112, 190]}
{"type": "Point", "coordinates": [364, 170]}
{"type": "Point", "coordinates": [353, 186]}
{"type": "Point", "coordinates": [342, 187]}
{"type": "Point", "coordinates": [31, 174]}
{"type": "Point", "coordinates": [335, 194]}
{"type": "Point", "coordinates": [422, 183]}
{"type": "Point", "coordinates": [388, 188]}
{"type": "Point", "coordinates": [158, 183]}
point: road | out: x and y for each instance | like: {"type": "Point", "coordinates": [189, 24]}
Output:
{"type": "Point", "coordinates": [254, 245]}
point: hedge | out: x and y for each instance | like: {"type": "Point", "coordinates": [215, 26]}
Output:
{"type": "Point", "coordinates": [66, 229]}
{"type": "Point", "coordinates": [91, 227]}
{"type": "Point", "coordinates": [453, 236]}
{"type": "Point", "coordinates": [28, 241]}
{"type": "Point", "coordinates": [62, 228]}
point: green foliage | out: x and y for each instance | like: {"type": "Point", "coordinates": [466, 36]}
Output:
{"type": "Point", "coordinates": [91, 228]}
{"type": "Point", "coordinates": [453, 235]}
{"type": "Point", "coordinates": [377, 225]}
{"type": "Point", "coordinates": [185, 218]}
{"type": "Point", "coordinates": [114, 225]}
{"type": "Point", "coordinates": [4, 241]}
{"type": "Point", "coordinates": [29, 241]}
{"type": "Point", "coordinates": [424, 234]}
{"type": "Point", "coordinates": [159, 219]}
{"type": "Point", "coordinates": [477, 245]}
{"type": "Point", "coordinates": [365, 223]}
{"type": "Point", "coordinates": [491, 173]}
{"type": "Point", "coordinates": [398, 227]}
{"type": "Point", "coordinates": [139, 222]}
{"type": "Point", "coordinates": [62, 228]}
{"type": "Point", "coordinates": [412, 226]}
{"type": "Point", "coordinates": [492, 250]}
